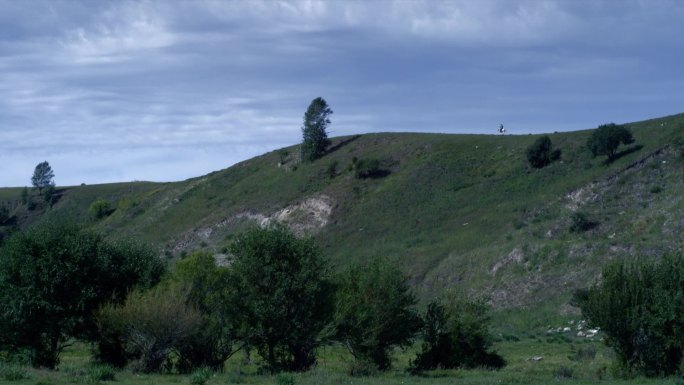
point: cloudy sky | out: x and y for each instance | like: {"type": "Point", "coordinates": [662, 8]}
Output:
{"type": "Point", "coordinates": [166, 90]}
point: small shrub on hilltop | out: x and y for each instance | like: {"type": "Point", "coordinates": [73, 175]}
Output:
{"type": "Point", "coordinates": [540, 154]}
{"type": "Point", "coordinates": [606, 139]}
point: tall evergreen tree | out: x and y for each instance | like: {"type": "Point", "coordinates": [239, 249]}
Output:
{"type": "Point", "coordinates": [43, 176]}
{"type": "Point", "coordinates": [316, 121]}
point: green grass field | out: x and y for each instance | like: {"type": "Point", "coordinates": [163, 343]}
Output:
{"type": "Point", "coordinates": [560, 363]}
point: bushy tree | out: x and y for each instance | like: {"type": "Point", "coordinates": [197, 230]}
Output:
{"type": "Point", "coordinates": [606, 139]}
{"type": "Point", "coordinates": [316, 120]}
{"type": "Point", "coordinates": [456, 335]}
{"type": "Point", "coordinates": [43, 176]}
{"type": "Point", "coordinates": [53, 277]}
{"type": "Point", "coordinates": [283, 296]}
{"type": "Point", "coordinates": [151, 326]}
{"type": "Point", "coordinates": [639, 306]}
{"type": "Point", "coordinates": [540, 154]}
{"type": "Point", "coordinates": [374, 312]}
{"type": "Point", "coordinates": [210, 293]}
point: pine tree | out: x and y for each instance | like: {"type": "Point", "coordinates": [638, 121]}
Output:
{"type": "Point", "coordinates": [314, 130]}
{"type": "Point", "coordinates": [43, 176]}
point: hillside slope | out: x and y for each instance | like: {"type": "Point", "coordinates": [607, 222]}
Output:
{"type": "Point", "coordinates": [454, 210]}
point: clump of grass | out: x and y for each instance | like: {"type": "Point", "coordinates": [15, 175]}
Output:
{"type": "Point", "coordinates": [200, 376]}
{"type": "Point", "coordinates": [563, 373]}
{"type": "Point", "coordinates": [587, 353]}
{"type": "Point", "coordinates": [13, 372]}
{"type": "Point", "coordinates": [285, 379]}
{"type": "Point", "coordinates": [101, 373]}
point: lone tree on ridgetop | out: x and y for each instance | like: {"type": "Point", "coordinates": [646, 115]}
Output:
{"type": "Point", "coordinates": [315, 137]}
{"type": "Point", "coordinates": [606, 139]}
{"type": "Point", "coordinates": [43, 176]}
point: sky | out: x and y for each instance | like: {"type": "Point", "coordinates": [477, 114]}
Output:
{"type": "Point", "coordinates": [116, 91]}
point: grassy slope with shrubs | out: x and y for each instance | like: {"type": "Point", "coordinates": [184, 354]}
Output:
{"type": "Point", "coordinates": [455, 210]}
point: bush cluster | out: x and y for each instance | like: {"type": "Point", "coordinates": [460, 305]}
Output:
{"type": "Point", "coordinates": [638, 306]}
{"type": "Point", "coordinates": [540, 154]}
{"type": "Point", "coordinates": [277, 298]}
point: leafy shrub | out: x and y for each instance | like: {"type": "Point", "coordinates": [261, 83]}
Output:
{"type": "Point", "coordinates": [581, 223]}
{"type": "Point", "coordinates": [637, 304]}
{"type": "Point", "coordinates": [200, 376]}
{"type": "Point", "coordinates": [152, 325]}
{"type": "Point", "coordinates": [606, 139]}
{"type": "Point", "coordinates": [367, 168]}
{"type": "Point", "coordinates": [540, 154]}
{"type": "Point", "coordinates": [456, 335]}
{"type": "Point", "coordinates": [210, 293]}
{"type": "Point", "coordinates": [374, 312]}
{"type": "Point", "coordinates": [100, 209]}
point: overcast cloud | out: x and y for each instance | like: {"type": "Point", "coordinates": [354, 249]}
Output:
{"type": "Point", "coordinates": [166, 90]}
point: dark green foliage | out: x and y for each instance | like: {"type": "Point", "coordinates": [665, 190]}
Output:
{"type": "Point", "coordinates": [4, 214]}
{"type": "Point", "coordinates": [456, 335]}
{"type": "Point", "coordinates": [25, 198]}
{"type": "Point", "coordinates": [331, 171]}
{"type": "Point", "coordinates": [374, 312]}
{"type": "Point", "coordinates": [283, 296]}
{"type": "Point", "coordinates": [53, 277]}
{"type": "Point", "coordinates": [100, 209]}
{"type": "Point", "coordinates": [43, 176]}
{"type": "Point", "coordinates": [366, 168]}
{"type": "Point", "coordinates": [209, 292]}
{"type": "Point", "coordinates": [151, 326]}
{"type": "Point", "coordinates": [316, 120]}
{"type": "Point", "coordinates": [50, 195]}
{"type": "Point", "coordinates": [579, 222]}
{"type": "Point", "coordinates": [639, 307]}
{"type": "Point", "coordinates": [606, 139]}
{"type": "Point", "coordinates": [540, 153]}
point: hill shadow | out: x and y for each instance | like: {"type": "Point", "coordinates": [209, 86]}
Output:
{"type": "Point", "coordinates": [624, 152]}
{"type": "Point", "coordinates": [341, 144]}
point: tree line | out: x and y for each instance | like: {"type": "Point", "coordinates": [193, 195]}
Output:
{"type": "Point", "coordinates": [278, 298]}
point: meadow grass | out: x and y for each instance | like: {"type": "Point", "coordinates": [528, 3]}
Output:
{"type": "Point", "coordinates": [560, 363]}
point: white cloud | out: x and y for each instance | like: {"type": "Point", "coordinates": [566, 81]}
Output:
{"type": "Point", "coordinates": [118, 33]}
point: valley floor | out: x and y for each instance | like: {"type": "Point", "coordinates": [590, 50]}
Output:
{"type": "Point", "coordinates": [565, 360]}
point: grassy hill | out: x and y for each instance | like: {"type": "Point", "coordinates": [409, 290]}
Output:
{"type": "Point", "coordinates": [462, 211]}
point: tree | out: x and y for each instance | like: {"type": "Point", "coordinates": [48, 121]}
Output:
{"type": "Point", "coordinates": [639, 306]}
{"type": "Point", "coordinates": [540, 153]}
{"type": "Point", "coordinates": [283, 296]}
{"type": "Point", "coordinates": [42, 176]}
{"type": "Point", "coordinates": [52, 279]}
{"type": "Point", "coordinates": [210, 293]}
{"type": "Point", "coordinates": [456, 335]}
{"type": "Point", "coordinates": [152, 325]}
{"type": "Point", "coordinates": [606, 139]}
{"type": "Point", "coordinates": [314, 130]}
{"type": "Point", "coordinates": [374, 312]}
